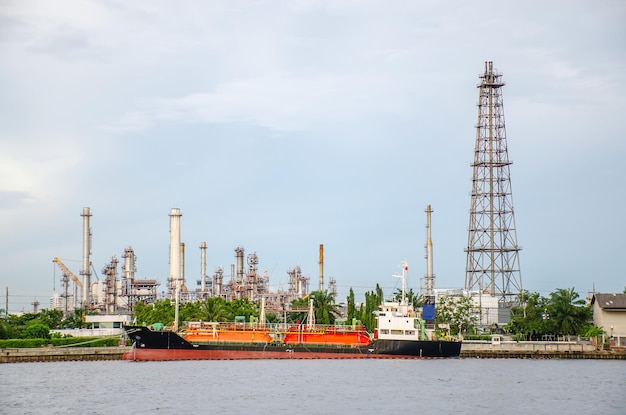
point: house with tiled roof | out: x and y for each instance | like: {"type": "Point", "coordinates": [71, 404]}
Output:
{"type": "Point", "coordinates": [609, 312]}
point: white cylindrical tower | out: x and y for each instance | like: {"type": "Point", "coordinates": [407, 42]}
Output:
{"type": "Point", "coordinates": [175, 255]}
{"type": "Point", "coordinates": [203, 275]}
{"type": "Point", "coordinates": [86, 268]}
{"type": "Point", "coordinates": [175, 258]}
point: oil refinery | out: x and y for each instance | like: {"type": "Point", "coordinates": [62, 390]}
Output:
{"type": "Point", "coordinates": [117, 293]}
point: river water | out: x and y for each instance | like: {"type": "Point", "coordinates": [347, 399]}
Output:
{"type": "Point", "coordinates": [454, 386]}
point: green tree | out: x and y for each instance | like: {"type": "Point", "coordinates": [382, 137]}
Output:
{"type": "Point", "coordinates": [161, 311]}
{"type": "Point", "coordinates": [351, 307]}
{"type": "Point", "coordinates": [75, 320]}
{"type": "Point", "coordinates": [5, 330]}
{"type": "Point", "coordinates": [37, 331]}
{"type": "Point", "coordinates": [593, 332]}
{"type": "Point", "coordinates": [531, 318]}
{"type": "Point", "coordinates": [19, 323]}
{"type": "Point", "coordinates": [373, 299]}
{"type": "Point", "coordinates": [459, 312]}
{"type": "Point", "coordinates": [411, 297]}
{"type": "Point", "coordinates": [563, 313]}
{"type": "Point", "coordinates": [298, 310]}
{"type": "Point", "coordinates": [215, 309]}
{"type": "Point", "coordinates": [271, 318]}
{"type": "Point", "coordinates": [242, 307]}
{"type": "Point", "coordinates": [326, 310]}
{"type": "Point", "coordinates": [191, 311]}
{"type": "Point", "coordinates": [51, 318]}
{"type": "Point", "coordinates": [568, 312]}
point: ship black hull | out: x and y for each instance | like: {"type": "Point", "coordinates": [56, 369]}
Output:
{"type": "Point", "coordinates": [434, 348]}
{"type": "Point", "coordinates": [166, 345]}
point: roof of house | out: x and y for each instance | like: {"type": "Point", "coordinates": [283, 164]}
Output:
{"type": "Point", "coordinates": [610, 301]}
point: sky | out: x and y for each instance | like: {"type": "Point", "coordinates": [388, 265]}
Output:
{"type": "Point", "coordinates": [282, 125]}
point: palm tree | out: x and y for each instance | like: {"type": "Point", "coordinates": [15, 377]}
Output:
{"type": "Point", "coordinates": [214, 309]}
{"type": "Point", "coordinates": [568, 311]}
{"type": "Point", "coordinates": [412, 298]}
{"type": "Point", "coordinates": [326, 310]}
{"type": "Point", "coordinates": [594, 333]}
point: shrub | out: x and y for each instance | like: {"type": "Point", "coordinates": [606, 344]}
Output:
{"type": "Point", "coordinates": [37, 331]}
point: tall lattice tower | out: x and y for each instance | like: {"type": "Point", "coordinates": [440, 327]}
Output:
{"type": "Point", "coordinates": [492, 265]}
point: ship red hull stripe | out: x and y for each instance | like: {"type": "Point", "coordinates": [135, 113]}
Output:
{"type": "Point", "coordinates": [190, 354]}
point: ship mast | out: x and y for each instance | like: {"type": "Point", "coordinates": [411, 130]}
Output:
{"type": "Point", "coordinates": [405, 267]}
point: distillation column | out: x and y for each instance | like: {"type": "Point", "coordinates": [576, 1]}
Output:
{"type": "Point", "coordinates": [129, 267]}
{"type": "Point", "coordinates": [239, 252]}
{"type": "Point", "coordinates": [492, 265]}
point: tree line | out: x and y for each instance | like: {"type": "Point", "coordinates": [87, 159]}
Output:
{"type": "Point", "coordinates": [535, 316]}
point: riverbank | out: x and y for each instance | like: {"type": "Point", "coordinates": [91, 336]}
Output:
{"type": "Point", "coordinates": [476, 350]}
{"type": "Point", "coordinates": [537, 350]}
{"type": "Point", "coordinates": [62, 354]}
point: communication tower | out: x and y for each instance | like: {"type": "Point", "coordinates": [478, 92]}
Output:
{"type": "Point", "coordinates": [492, 265]}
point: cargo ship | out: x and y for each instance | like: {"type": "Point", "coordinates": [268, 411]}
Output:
{"type": "Point", "coordinates": [400, 332]}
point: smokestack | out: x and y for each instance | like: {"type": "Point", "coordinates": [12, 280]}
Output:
{"type": "Point", "coordinates": [182, 266]}
{"type": "Point", "coordinates": [203, 275]}
{"type": "Point", "coordinates": [175, 257]}
{"type": "Point", "coordinates": [429, 245]}
{"type": "Point", "coordinates": [86, 269]}
{"type": "Point", "coordinates": [429, 256]}
{"type": "Point", "coordinates": [175, 254]}
{"type": "Point", "coordinates": [321, 267]}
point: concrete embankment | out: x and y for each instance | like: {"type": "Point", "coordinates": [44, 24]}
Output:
{"type": "Point", "coordinates": [57, 354]}
{"type": "Point", "coordinates": [537, 350]}
{"type": "Point", "coordinates": [485, 350]}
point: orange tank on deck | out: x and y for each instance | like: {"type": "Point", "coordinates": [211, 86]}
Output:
{"type": "Point", "coordinates": [235, 336]}
{"type": "Point", "coordinates": [330, 337]}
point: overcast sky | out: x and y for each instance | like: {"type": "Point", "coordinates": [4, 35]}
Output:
{"type": "Point", "coordinates": [282, 125]}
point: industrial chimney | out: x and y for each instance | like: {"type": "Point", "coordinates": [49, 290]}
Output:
{"type": "Point", "coordinates": [86, 269]}
{"type": "Point", "coordinates": [175, 258]}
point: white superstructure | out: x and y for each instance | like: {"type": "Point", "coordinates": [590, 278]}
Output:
{"type": "Point", "coordinates": [397, 320]}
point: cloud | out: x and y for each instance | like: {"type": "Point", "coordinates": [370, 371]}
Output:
{"type": "Point", "coordinates": [279, 101]}
{"type": "Point", "coordinates": [14, 199]}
